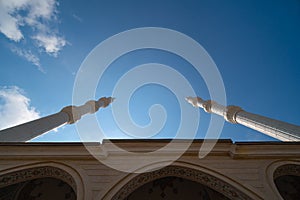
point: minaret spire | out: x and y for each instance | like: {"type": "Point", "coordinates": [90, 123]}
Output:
{"type": "Point", "coordinates": [236, 115]}
{"type": "Point", "coordinates": [68, 115]}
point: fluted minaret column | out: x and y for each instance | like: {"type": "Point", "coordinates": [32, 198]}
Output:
{"type": "Point", "coordinates": [68, 115]}
{"type": "Point", "coordinates": [236, 115]}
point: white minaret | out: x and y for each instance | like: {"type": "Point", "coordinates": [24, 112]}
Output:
{"type": "Point", "coordinates": [236, 115]}
{"type": "Point", "coordinates": [68, 115]}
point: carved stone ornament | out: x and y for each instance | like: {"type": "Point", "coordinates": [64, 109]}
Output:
{"type": "Point", "coordinates": [207, 105]}
{"type": "Point", "coordinates": [288, 169]}
{"type": "Point", "coordinates": [231, 112]}
{"type": "Point", "coordinates": [182, 172]}
{"type": "Point", "coordinates": [76, 112]}
{"type": "Point", "coordinates": [35, 173]}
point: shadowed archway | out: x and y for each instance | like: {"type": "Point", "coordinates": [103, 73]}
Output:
{"type": "Point", "coordinates": [37, 183]}
{"type": "Point", "coordinates": [287, 181]}
{"type": "Point", "coordinates": [172, 180]}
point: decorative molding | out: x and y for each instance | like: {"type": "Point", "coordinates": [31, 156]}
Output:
{"type": "Point", "coordinates": [195, 101]}
{"type": "Point", "coordinates": [287, 169]}
{"type": "Point", "coordinates": [207, 105]}
{"type": "Point", "coordinates": [231, 112]}
{"type": "Point", "coordinates": [191, 174]}
{"type": "Point", "coordinates": [35, 173]}
{"type": "Point", "coordinates": [76, 112]}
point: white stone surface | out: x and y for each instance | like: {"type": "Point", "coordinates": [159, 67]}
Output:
{"type": "Point", "coordinates": [234, 114]}
{"type": "Point", "coordinates": [274, 128]}
{"type": "Point", "coordinates": [70, 114]}
{"type": "Point", "coordinates": [32, 129]}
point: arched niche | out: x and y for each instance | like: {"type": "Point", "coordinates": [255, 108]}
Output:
{"type": "Point", "coordinates": [287, 180]}
{"type": "Point", "coordinates": [31, 183]}
{"type": "Point", "coordinates": [207, 183]}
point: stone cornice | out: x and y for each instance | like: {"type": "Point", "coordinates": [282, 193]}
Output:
{"type": "Point", "coordinates": [240, 150]}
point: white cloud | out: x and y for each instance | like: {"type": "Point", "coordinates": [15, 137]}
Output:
{"type": "Point", "coordinates": [9, 26]}
{"type": "Point", "coordinates": [42, 8]}
{"type": "Point", "coordinates": [29, 56]}
{"type": "Point", "coordinates": [15, 107]}
{"type": "Point", "coordinates": [36, 14]}
{"type": "Point", "coordinates": [51, 44]}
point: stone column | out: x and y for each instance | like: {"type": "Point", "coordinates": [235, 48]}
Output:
{"type": "Point", "coordinates": [236, 115]}
{"type": "Point", "coordinates": [68, 115]}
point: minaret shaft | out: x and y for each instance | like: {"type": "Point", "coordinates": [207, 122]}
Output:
{"type": "Point", "coordinates": [32, 129]}
{"type": "Point", "coordinates": [67, 115]}
{"type": "Point", "coordinates": [234, 114]}
{"type": "Point", "coordinates": [271, 127]}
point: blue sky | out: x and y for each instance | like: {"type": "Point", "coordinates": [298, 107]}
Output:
{"type": "Point", "coordinates": [254, 44]}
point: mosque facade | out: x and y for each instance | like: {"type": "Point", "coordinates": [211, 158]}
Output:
{"type": "Point", "coordinates": [246, 170]}
{"type": "Point", "coordinates": [150, 169]}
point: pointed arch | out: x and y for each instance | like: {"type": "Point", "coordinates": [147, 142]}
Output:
{"type": "Point", "coordinates": [204, 176]}
{"type": "Point", "coordinates": [33, 171]}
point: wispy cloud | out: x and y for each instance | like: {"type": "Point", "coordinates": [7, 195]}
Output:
{"type": "Point", "coordinates": [36, 14]}
{"type": "Point", "coordinates": [77, 18]}
{"type": "Point", "coordinates": [15, 107]}
{"type": "Point", "coordinates": [29, 56]}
